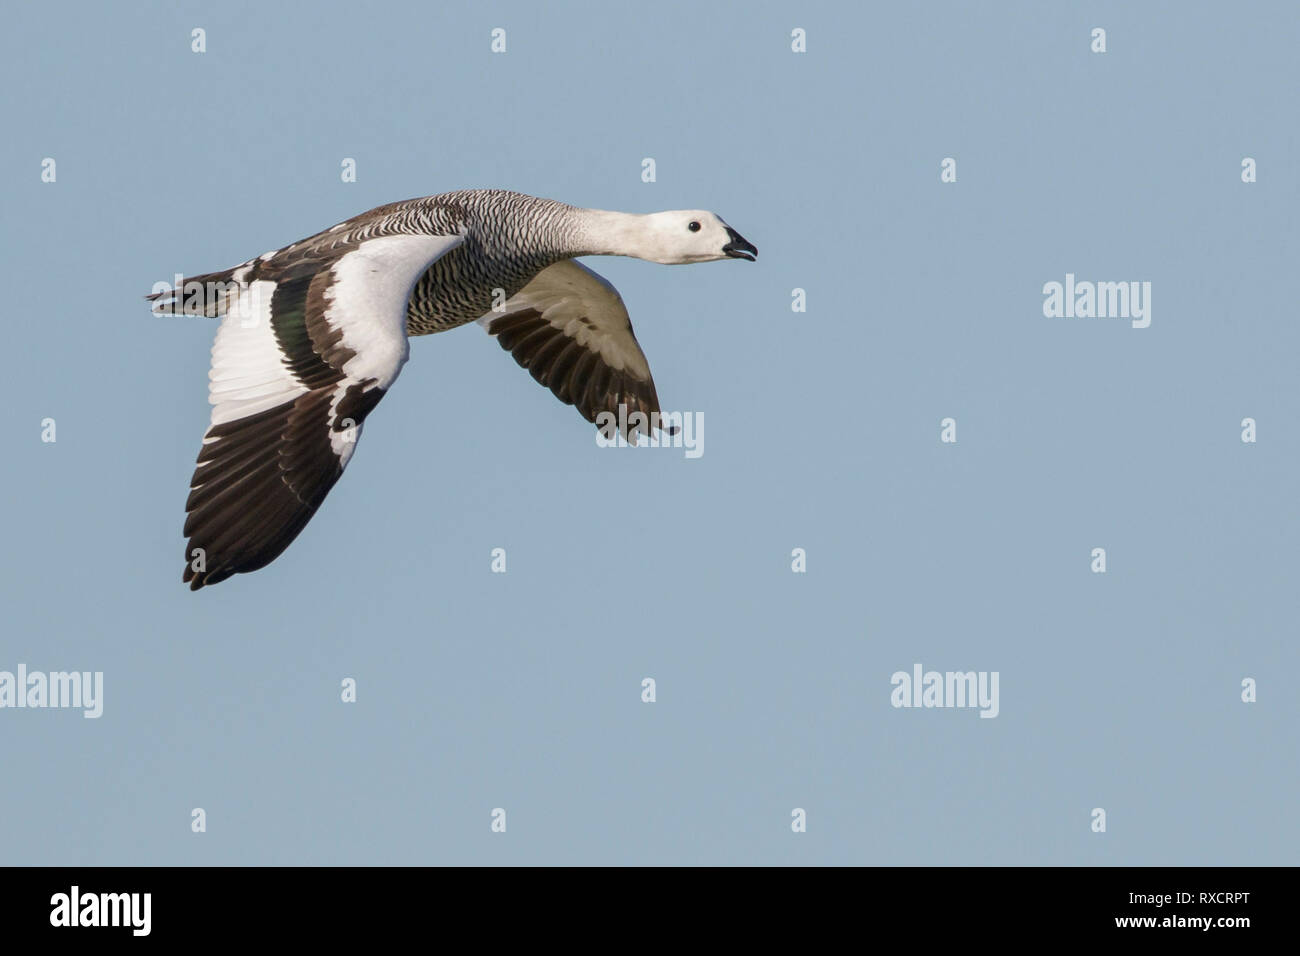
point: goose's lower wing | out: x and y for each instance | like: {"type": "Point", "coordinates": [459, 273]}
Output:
{"type": "Point", "coordinates": [570, 329]}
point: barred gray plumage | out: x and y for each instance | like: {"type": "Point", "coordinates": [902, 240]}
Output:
{"type": "Point", "coordinates": [511, 237]}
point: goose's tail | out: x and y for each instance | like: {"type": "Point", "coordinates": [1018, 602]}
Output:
{"type": "Point", "coordinates": [210, 294]}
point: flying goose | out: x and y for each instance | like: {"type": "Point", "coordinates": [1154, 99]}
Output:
{"type": "Point", "coordinates": [313, 335]}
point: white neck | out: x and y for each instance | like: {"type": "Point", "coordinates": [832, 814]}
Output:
{"type": "Point", "coordinates": [604, 233]}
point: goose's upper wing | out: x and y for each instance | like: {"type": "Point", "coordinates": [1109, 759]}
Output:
{"type": "Point", "coordinates": [309, 347]}
{"type": "Point", "coordinates": [570, 329]}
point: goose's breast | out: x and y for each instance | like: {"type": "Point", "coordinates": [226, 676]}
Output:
{"type": "Point", "coordinates": [463, 286]}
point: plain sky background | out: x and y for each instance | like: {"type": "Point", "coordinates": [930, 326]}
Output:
{"type": "Point", "coordinates": [479, 690]}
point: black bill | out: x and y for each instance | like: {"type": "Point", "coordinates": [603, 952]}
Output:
{"type": "Point", "coordinates": [738, 247]}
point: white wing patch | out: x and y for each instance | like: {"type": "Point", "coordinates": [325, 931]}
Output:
{"type": "Point", "coordinates": [302, 357]}
{"type": "Point", "coordinates": [248, 374]}
{"type": "Point", "coordinates": [368, 298]}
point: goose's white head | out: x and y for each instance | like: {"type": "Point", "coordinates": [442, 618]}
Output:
{"type": "Point", "coordinates": [672, 238]}
{"type": "Point", "coordinates": [680, 236]}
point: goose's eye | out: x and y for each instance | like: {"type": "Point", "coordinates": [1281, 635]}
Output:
{"type": "Point", "coordinates": [693, 226]}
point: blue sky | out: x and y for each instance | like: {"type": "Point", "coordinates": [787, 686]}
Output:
{"type": "Point", "coordinates": [924, 301]}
